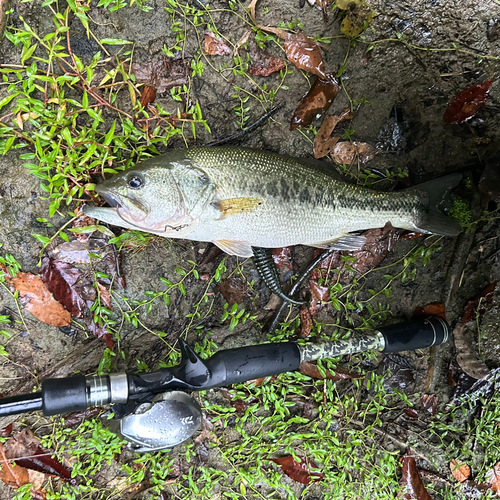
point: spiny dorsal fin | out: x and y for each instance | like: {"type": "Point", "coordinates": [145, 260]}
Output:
{"type": "Point", "coordinates": [232, 206]}
{"type": "Point", "coordinates": [239, 248]}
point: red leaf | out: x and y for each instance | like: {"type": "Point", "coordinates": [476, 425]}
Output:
{"type": "Point", "coordinates": [414, 487]}
{"type": "Point", "coordinates": [101, 333]}
{"type": "Point", "coordinates": [305, 54]}
{"type": "Point", "coordinates": [311, 370]}
{"type": "Point", "coordinates": [473, 306]}
{"type": "Point", "coordinates": [283, 258]}
{"type": "Point", "coordinates": [298, 471]}
{"type": "Point", "coordinates": [68, 284]}
{"type": "Point", "coordinates": [43, 462]}
{"type": "Point", "coordinates": [411, 412]}
{"type": "Point", "coordinates": [433, 309]}
{"type": "Point", "coordinates": [315, 102]}
{"type": "Point", "coordinates": [467, 103]}
{"type": "Point", "coordinates": [6, 431]}
{"type": "Point", "coordinates": [319, 292]}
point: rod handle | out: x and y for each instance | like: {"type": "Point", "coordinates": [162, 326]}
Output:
{"type": "Point", "coordinates": [415, 334]}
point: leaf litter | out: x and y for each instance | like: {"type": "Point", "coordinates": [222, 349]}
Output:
{"type": "Point", "coordinates": [467, 103]}
{"type": "Point", "coordinates": [413, 487]}
{"type": "Point", "coordinates": [216, 46]}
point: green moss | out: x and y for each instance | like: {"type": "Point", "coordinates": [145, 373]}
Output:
{"type": "Point", "coordinates": [460, 210]}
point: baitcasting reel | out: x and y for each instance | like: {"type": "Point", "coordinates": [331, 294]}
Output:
{"type": "Point", "coordinates": [156, 412]}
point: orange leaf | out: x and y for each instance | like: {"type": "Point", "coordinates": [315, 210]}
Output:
{"type": "Point", "coordinates": [433, 309]}
{"type": "Point", "coordinates": [215, 46]}
{"type": "Point", "coordinates": [305, 54]}
{"type": "Point", "coordinates": [460, 470]}
{"type": "Point", "coordinates": [12, 475]}
{"type": "Point", "coordinates": [37, 299]}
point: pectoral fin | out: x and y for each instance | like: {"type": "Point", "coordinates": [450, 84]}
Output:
{"type": "Point", "coordinates": [239, 248]}
{"type": "Point", "coordinates": [232, 206]}
{"type": "Point", "coordinates": [349, 243]}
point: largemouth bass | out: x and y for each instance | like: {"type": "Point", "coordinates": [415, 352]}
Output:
{"type": "Point", "coordinates": [242, 198]}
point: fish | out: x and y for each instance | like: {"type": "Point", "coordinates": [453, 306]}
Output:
{"type": "Point", "coordinates": [239, 198]}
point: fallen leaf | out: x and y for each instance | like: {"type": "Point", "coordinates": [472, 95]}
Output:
{"type": "Point", "coordinates": [282, 258]}
{"type": "Point", "coordinates": [479, 304]}
{"type": "Point", "coordinates": [413, 486]}
{"type": "Point", "coordinates": [323, 142]}
{"type": "Point", "coordinates": [69, 285]}
{"type": "Point", "coordinates": [315, 102]}
{"type": "Point", "coordinates": [319, 292]}
{"type": "Point", "coordinates": [433, 309]}
{"type": "Point", "coordinates": [162, 73]}
{"type": "Point", "coordinates": [493, 478]}
{"type": "Point", "coordinates": [105, 295]}
{"type": "Point", "coordinates": [311, 370]}
{"type": "Point", "coordinates": [211, 253]}
{"type": "Point", "coordinates": [467, 103]}
{"type": "Point", "coordinates": [411, 412]}
{"type": "Point", "coordinates": [72, 252]}
{"type": "Point", "coordinates": [148, 95]}
{"type": "Point", "coordinates": [306, 318]}
{"type": "Point", "coordinates": [266, 66]}
{"type": "Point", "coordinates": [348, 153]}
{"type": "Point", "coordinates": [239, 404]}
{"type": "Point", "coordinates": [82, 220]}
{"type": "Point", "coordinates": [298, 471]}
{"type": "Point", "coordinates": [12, 475]}
{"type": "Point", "coordinates": [101, 333]}
{"type": "Point", "coordinates": [216, 46]}
{"type": "Point", "coordinates": [233, 290]}
{"type": "Point", "coordinates": [429, 403]}
{"type": "Point", "coordinates": [467, 351]}
{"type": "Point", "coordinates": [77, 417]}
{"type": "Point", "coordinates": [6, 431]}
{"type": "Point", "coordinates": [304, 53]}
{"type": "Point", "coordinates": [358, 14]}
{"type": "Point", "coordinates": [460, 470]}
{"type": "Point", "coordinates": [37, 299]}
{"type": "Point", "coordinates": [410, 235]}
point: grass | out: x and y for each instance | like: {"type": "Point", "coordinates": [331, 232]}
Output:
{"type": "Point", "coordinates": [72, 121]}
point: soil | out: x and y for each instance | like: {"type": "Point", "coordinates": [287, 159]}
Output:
{"type": "Point", "coordinates": [406, 90]}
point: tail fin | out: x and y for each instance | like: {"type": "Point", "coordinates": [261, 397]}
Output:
{"type": "Point", "coordinates": [433, 219]}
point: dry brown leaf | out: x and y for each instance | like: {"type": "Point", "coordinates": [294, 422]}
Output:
{"type": "Point", "coordinates": [37, 299]}
{"type": "Point", "coordinates": [348, 153]}
{"type": "Point", "coordinates": [315, 102]}
{"type": "Point", "coordinates": [493, 478]}
{"type": "Point", "coordinates": [460, 470]}
{"type": "Point", "coordinates": [311, 370]}
{"type": "Point", "coordinates": [12, 475]}
{"type": "Point", "coordinates": [233, 290]}
{"type": "Point", "coordinates": [266, 67]}
{"type": "Point", "coordinates": [433, 309]}
{"type": "Point", "coordinates": [148, 95]}
{"type": "Point", "coordinates": [429, 403]}
{"type": "Point", "coordinates": [411, 480]}
{"type": "Point", "coordinates": [467, 351]}
{"type": "Point", "coordinates": [323, 142]}
{"type": "Point", "coordinates": [105, 295]}
{"type": "Point", "coordinates": [216, 46]}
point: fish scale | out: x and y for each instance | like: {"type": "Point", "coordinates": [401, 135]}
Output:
{"type": "Point", "coordinates": [241, 198]}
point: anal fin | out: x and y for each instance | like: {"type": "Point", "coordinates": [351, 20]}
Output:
{"type": "Point", "coordinates": [349, 242]}
{"type": "Point", "coordinates": [239, 248]}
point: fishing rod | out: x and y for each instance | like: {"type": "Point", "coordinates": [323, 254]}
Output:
{"type": "Point", "coordinates": [156, 412]}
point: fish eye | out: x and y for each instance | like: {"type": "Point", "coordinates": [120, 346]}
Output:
{"type": "Point", "coordinates": [135, 181]}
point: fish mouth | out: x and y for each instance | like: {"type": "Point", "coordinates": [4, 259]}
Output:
{"type": "Point", "coordinates": [111, 200]}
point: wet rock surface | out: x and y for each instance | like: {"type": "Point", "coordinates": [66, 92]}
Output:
{"type": "Point", "coordinates": [405, 89]}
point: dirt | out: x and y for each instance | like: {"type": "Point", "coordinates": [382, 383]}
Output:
{"type": "Point", "coordinates": [407, 90]}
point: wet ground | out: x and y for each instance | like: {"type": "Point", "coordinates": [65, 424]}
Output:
{"type": "Point", "coordinates": [405, 89]}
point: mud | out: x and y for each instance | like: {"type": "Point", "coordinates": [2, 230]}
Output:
{"type": "Point", "coordinates": [407, 90]}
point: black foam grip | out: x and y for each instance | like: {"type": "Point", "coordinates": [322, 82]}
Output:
{"type": "Point", "coordinates": [416, 334]}
{"type": "Point", "coordinates": [247, 363]}
{"type": "Point", "coordinates": [62, 395]}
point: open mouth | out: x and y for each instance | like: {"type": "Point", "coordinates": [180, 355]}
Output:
{"type": "Point", "coordinates": [111, 200]}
